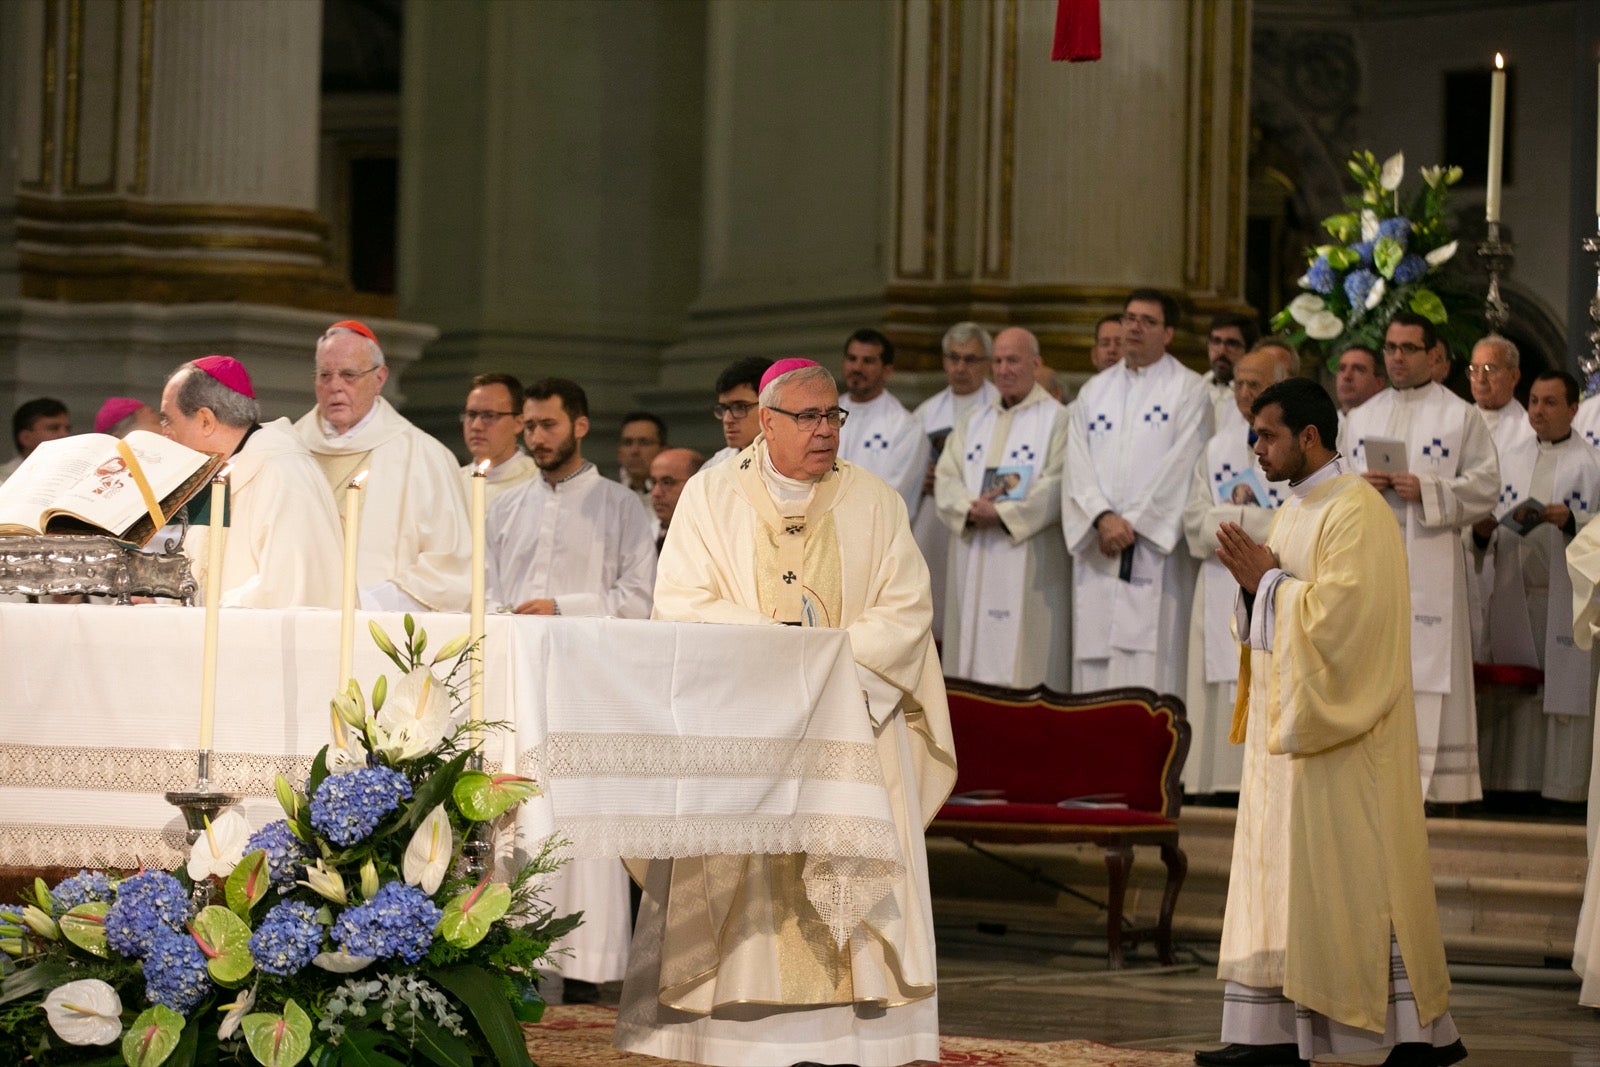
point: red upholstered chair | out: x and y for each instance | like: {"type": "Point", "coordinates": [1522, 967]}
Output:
{"type": "Point", "coordinates": [1032, 749]}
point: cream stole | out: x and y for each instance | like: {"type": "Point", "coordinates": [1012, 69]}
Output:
{"type": "Point", "coordinates": [798, 570]}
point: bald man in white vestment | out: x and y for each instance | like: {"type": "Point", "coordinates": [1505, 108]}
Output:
{"type": "Point", "coordinates": [881, 436]}
{"type": "Point", "coordinates": [731, 963]}
{"type": "Point", "coordinates": [1451, 480]}
{"type": "Point", "coordinates": [1137, 430]}
{"type": "Point", "coordinates": [415, 550]}
{"type": "Point", "coordinates": [282, 547]}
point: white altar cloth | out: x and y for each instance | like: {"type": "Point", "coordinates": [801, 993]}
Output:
{"type": "Point", "coordinates": [650, 739]}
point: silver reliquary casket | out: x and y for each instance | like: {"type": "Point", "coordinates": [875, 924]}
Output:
{"type": "Point", "coordinates": [96, 565]}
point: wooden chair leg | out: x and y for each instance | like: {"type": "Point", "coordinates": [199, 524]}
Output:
{"type": "Point", "coordinates": [1119, 862]}
{"type": "Point", "coordinates": [1177, 868]}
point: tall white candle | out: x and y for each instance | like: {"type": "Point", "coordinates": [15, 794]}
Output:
{"type": "Point", "coordinates": [1597, 151]}
{"type": "Point", "coordinates": [1497, 137]}
{"type": "Point", "coordinates": [347, 618]}
{"type": "Point", "coordinates": [208, 663]}
{"type": "Point", "coordinates": [480, 483]}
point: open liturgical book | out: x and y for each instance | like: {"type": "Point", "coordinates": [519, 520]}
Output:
{"type": "Point", "coordinates": [95, 484]}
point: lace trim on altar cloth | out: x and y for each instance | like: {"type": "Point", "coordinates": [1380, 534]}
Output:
{"type": "Point", "coordinates": [114, 848]}
{"type": "Point", "coordinates": [596, 755]}
{"type": "Point", "coordinates": [143, 770]}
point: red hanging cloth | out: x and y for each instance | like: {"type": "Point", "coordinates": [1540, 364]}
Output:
{"type": "Point", "coordinates": [1077, 30]}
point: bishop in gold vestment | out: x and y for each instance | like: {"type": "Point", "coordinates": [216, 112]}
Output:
{"type": "Point", "coordinates": [1330, 941]}
{"type": "Point", "coordinates": [730, 963]}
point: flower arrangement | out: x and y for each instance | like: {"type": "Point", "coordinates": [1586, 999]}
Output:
{"type": "Point", "coordinates": [347, 933]}
{"type": "Point", "coordinates": [1383, 259]}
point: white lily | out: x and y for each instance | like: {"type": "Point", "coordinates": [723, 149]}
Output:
{"type": "Point", "coordinates": [85, 1012]}
{"type": "Point", "coordinates": [347, 755]}
{"type": "Point", "coordinates": [1442, 254]}
{"type": "Point", "coordinates": [219, 850]}
{"type": "Point", "coordinates": [325, 883]}
{"type": "Point", "coordinates": [427, 857]}
{"type": "Point", "coordinates": [1304, 281]}
{"type": "Point", "coordinates": [1324, 326]}
{"type": "Point", "coordinates": [1394, 170]}
{"type": "Point", "coordinates": [1302, 307]}
{"type": "Point", "coordinates": [415, 717]}
{"type": "Point", "coordinates": [1369, 224]}
{"type": "Point", "coordinates": [236, 1013]}
{"type": "Point", "coordinates": [340, 962]}
{"type": "Point", "coordinates": [1375, 294]}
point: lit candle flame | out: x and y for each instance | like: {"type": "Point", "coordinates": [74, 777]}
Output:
{"type": "Point", "coordinates": [355, 483]}
{"type": "Point", "coordinates": [481, 469]}
{"type": "Point", "coordinates": [1499, 61]}
{"type": "Point", "coordinates": [222, 473]}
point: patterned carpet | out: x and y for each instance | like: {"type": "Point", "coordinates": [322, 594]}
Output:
{"type": "Point", "coordinates": [579, 1035]}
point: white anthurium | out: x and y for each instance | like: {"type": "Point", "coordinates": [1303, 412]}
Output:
{"type": "Point", "coordinates": [85, 1012]}
{"type": "Point", "coordinates": [1375, 294]}
{"type": "Point", "coordinates": [1304, 281]}
{"type": "Point", "coordinates": [1394, 171]}
{"type": "Point", "coordinates": [415, 717]}
{"type": "Point", "coordinates": [340, 962]}
{"type": "Point", "coordinates": [1302, 307]}
{"type": "Point", "coordinates": [427, 857]}
{"type": "Point", "coordinates": [1324, 326]}
{"type": "Point", "coordinates": [236, 1012]}
{"type": "Point", "coordinates": [219, 850]}
{"type": "Point", "coordinates": [1369, 224]}
{"type": "Point", "coordinates": [1442, 254]}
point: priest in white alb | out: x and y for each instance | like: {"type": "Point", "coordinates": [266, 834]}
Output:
{"type": "Point", "coordinates": [1227, 486]}
{"type": "Point", "coordinates": [415, 550]}
{"type": "Point", "coordinates": [282, 543]}
{"type": "Point", "coordinates": [1448, 478]}
{"type": "Point", "coordinates": [1539, 741]}
{"type": "Point", "coordinates": [881, 436]}
{"type": "Point", "coordinates": [1008, 612]}
{"type": "Point", "coordinates": [1583, 569]}
{"type": "Point", "coordinates": [967, 349]}
{"type": "Point", "coordinates": [1494, 371]}
{"type": "Point", "coordinates": [491, 425]}
{"type": "Point", "coordinates": [1330, 942]}
{"type": "Point", "coordinates": [1136, 432]}
{"type": "Point", "coordinates": [731, 963]}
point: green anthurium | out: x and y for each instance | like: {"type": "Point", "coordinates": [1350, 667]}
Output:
{"type": "Point", "coordinates": [248, 883]}
{"type": "Point", "coordinates": [468, 917]}
{"type": "Point", "coordinates": [1343, 258]}
{"type": "Point", "coordinates": [85, 926]}
{"type": "Point", "coordinates": [152, 1037]}
{"type": "Point", "coordinates": [1426, 302]}
{"type": "Point", "coordinates": [481, 797]}
{"type": "Point", "coordinates": [1386, 255]}
{"type": "Point", "coordinates": [225, 939]}
{"type": "Point", "coordinates": [279, 1040]}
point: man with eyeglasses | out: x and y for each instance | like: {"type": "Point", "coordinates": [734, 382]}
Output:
{"type": "Point", "coordinates": [998, 487]}
{"type": "Point", "coordinates": [492, 426]}
{"type": "Point", "coordinates": [643, 437]}
{"type": "Point", "coordinates": [730, 963]}
{"type": "Point", "coordinates": [1228, 485]}
{"type": "Point", "coordinates": [1451, 479]}
{"type": "Point", "coordinates": [1137, 431]}
{"type": "Point", "coordinates": [735, 409]}
{"type": "Point", "coordinates": [1229, 337]}
{"type": "Point", "coordinates": [416, 549]}
{"type": "Point", "coordinates": [1493, 373]}
{"type": "Point", "coordinates": [882, 436]}
{"type": "Point", "coordinates": [671, 468]}
{"type": "Point", "coordinates": [1539, 741]}
{"type": "Point", "coordinates": [967, 349]}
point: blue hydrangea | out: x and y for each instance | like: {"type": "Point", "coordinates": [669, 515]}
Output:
{"type": "Point", "coordinates": [286, 853]}
{"type": "Point", "coordinates": [175, 972]}
{"type": "Point", "coordinates": [81, 888]}
{"type": "Point", "coordinates": [288, 937]}
{"type": "Point", "coordinates": [147, 905]}
{"type": "Point", "coordinates": [1410, 268]}
{"type": "Point", "coordinates": [1364, 250]}
{"type": "Point", "coordinates": [398, 921]}
{"type": "Point", "coordinates": [1396, 229]}
{"type": "Point", "coordinates": [1321, 278]}
{"type": "Point", "coordinates": [347, 807]}
{"type": "Point", "coordinates": [1357, 285]}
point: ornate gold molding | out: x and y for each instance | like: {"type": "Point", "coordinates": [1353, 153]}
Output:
{"type": "Point", "coordinates": [930, 153]}
{"type": "Point", "coordinates": [47, 100]}
{"type": "Point", "coordinates": [126, 235]}
{"type": "Point", "coordinates": [146, 213]}
{"type": "Point", "coordinates": [141, 148]}
{"type": "Point", "coordinates": [952, 145]}
{"type": "Point", "coordinates": [74, 116]}
{"type": "Point", "coordinates": [995, 262]}
{"type": "Point", "coordinates": [1238, 87]}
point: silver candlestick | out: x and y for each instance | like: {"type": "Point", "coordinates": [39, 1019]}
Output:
{"type": "Point", "coordinates": [202, 803]}
{"type": "Point", "coordinates": [1497, 256]}
{"type": "Point", "coordinates": [1590, 362]}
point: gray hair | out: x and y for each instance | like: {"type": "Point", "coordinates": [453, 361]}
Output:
{"type": "Point", "coordinates": [1506, 347]}
{"type": "Point", "coordinates": [373, 349]}
{"type": "Point", "coordinates": [200, 390]}
{"type": "Point", "coordinates": [122, 426]}
{"type": "Point", "coordinates": [769, 396]}
{"type": "Point", "coordinates": [963, 333]}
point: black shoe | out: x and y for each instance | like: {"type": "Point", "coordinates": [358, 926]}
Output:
{"type": "Point", "coordinates": [1285, 1055]}
{"type": "Point", "coordinates": [577, 991]}
{"type": "Point", "coordinates": [1420, 1054]}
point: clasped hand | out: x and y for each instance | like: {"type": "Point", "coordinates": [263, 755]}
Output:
{"type": "Point", "coordinates": [1245, 559]}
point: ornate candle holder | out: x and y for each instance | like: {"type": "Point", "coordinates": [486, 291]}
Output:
{"type": "Point", "coordinates": [1497, 256]}
{"type": "Point", "coordinates": [202, 803]}
{"type": "Point", "coordinates": [1590, 363]}
{"type": "Point", "coordinates": [476, 849]}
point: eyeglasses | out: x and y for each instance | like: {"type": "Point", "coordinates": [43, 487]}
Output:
{"type": "Point", "coordinates": [1233, 344]}
{"type": "Point", "coordinates": [490, 417]}
{"type": "Point", "coordinates": [739, 409]}
{"type": "Point", "coordinates": [1484, 370]}
{"type": "Point", "coordinates": [348, 377]}
{"type": "Point", "coordinates": [965, 361]}
{"type": "Point", "coordinates": [669, 483]}
{"type": "Point", "coordinates": [1240, 386]}
{"type": "Point", "coordinates": [638, 442]}
{"type": "Point", "coordinates": [809, 420]}
{"type": "Point", "coordinates": [1147, 321]}
{"type": "Point", "coordinates": [1390, 348]}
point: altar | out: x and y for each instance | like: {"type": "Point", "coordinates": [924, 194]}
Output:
{"type": "Point", "coordinates": [648, 739]}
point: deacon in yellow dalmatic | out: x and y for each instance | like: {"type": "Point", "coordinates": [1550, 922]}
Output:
{"type": "Point", "coordinates": [1330, 892]}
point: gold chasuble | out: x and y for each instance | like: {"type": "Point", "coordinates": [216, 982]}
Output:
{"type": "Point", "coordinates": [731, 963]}
{"type": "Point", "coordinates": [1331, 851]}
